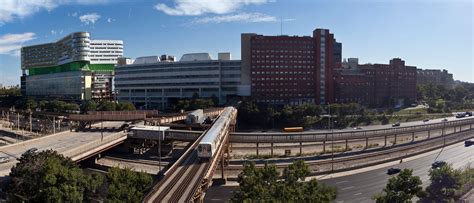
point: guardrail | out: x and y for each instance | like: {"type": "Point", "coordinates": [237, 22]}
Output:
{"type": "Point", "coordinates": [94, 145]}
{"type": "Point", "coordinates": [239, 137]}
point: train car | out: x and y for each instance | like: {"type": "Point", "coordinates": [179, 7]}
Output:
{"type": "Point", "coordinates": [208, 145]}
{"type": "Point", "coordinates": [293, 129]}
{"type": "Point", "coordinates": [196, 116]}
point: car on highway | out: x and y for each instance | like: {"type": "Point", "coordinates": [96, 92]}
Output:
{"type": "Point", "coordinates": [392, 171]}
{"type": "Point", "coordinates": [460, 115]}
{"type": "Point", "coordinates": [438, 164]}
{"type": "Point", "coordinates": [468, 113]}
{"type": "Point", "coordinates": [358, 128]}
{"type": "Point", "coordinates": [4, 159]}
{"type": "Point", "coordinates": [426, 120]}
{"type": "Point", "coordinates": [32, 150]}
{"type": "Point", "coordinates": [468, 143]}
{"type": "Point", "coordinates": [445, 120]}
{"type": "Point", "coordinates": [397, 124]}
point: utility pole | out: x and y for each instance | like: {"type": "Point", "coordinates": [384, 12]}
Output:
{"type": "Point", "coordinates": [54, 125]}
{"type": "Point", "coordinates": [159, 147]}
{"type": "Point", "coordinates": [31, 123]}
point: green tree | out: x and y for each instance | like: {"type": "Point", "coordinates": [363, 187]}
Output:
{"type": "Point", "coordinates": [106, 106]}
{"type": "Point", "coordinates": [401, 188]}
{"type": "Point", "coordinates": [125, 106]}
{"type": "Point", "coordinates": [30, 104]}
{"type": "Point", "coordinates": [50, 177]}
{"type": "Point", "coordinates": [263, 184]}
{"type": "Point", "coordinates": [215, 99]}
{"type": "Point", "coordinates": [89, 105]}
{"type": "Point", "coordinates": [126, 185]}
{"type": "Point", "coordinates": [445, 181]}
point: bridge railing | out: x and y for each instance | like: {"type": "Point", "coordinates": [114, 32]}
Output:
{"type": "Point", "coordinates": [344, 135]}
{"type": "Point", "coordinates": [93, 145]}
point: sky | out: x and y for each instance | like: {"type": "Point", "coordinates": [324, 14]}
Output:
{"type": "Point", "coordinates": [429, 34]}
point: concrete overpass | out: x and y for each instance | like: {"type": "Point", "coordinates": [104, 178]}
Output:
{"type": "Point", "coordinates": [76, 145]}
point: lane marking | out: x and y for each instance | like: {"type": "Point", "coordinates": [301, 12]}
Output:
{"type": "Point", "coordinates": [357, 194]}
{"type": "Point", "coordinates": [344, 181]}
{"type": "Point", "coordinates": [347, 188]}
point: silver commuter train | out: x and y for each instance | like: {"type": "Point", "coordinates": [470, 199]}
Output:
{"type": "Point", "coordinates": [212, 138]}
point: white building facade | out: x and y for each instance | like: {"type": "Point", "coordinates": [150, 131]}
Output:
{"type": "Point", "coordinates": [152, 84]}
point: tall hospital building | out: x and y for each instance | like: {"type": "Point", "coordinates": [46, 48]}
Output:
{"type": "Point", "coordinates": [73, 68]}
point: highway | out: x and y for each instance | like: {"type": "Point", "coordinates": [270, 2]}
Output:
{"type": "Point", "coordinates": [361, 186]}
{"type": "Point", "coordinates": [60, 142]}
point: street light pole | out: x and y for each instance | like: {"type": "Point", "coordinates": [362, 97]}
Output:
{"type": "Point", "coordinates": [332, 139]}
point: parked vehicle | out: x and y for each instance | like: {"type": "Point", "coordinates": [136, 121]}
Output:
{"type": "Point", "coordinates": [438, 164]}
{"type": "Point", "coordinates": [4, 159]}
{"type": "Point", "coordinates": [468, 113]}
{"type": "Point", "coordinates": [392, 171]}
{"type": "Point", "coordinates": [32, 150]}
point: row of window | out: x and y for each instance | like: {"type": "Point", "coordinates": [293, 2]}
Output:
{"type": "Point", "coordinates": [282, 66]}
{"type": "Point", "coordinates": [283, 51]}
{"type": "Point", "coordinates": [283, 61]}
{"type": "Point", "coordinates": [281, 72]}
{"type": "Point", "coordinates": [282, 79]}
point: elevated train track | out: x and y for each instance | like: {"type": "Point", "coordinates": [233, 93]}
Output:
{"type": "Point", "coordinates": [191, 174]}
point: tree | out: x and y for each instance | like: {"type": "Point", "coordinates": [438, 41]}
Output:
{"type": "Point", "coordinates": [263, 184]}
{"type": "Point", "coordinates": [125, 106]}
{"type": "Point", "coordinates": [88, 105]}
{"type": "Point", "coordinates": [215, 99]}
{"type": "Point", "coordinates": [126, 185]}
{"type": "Point", "coordinates": [30, 104]}
{"type": "Point", "coordinates": [106, 106]}
{"type": "Point", "coordinates": [401, 188]}
{"type": "Point", "coordinates": [50, 177]}
{"type": "Point", "coordinates": [445, 181]}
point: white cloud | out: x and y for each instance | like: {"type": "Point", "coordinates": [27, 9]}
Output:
{"type": "Point", "coordinates": [110, 20]}
{"type": "Point", "coordinates": [90, 18]}
{"type": "Point", "coordinates": [12, 9]}
{"type": "Point", "coordinates": [240, 17]}
{"type": "Point", "coordinates": [73, 14]}
{"type": "Point", "coordinates": [10, 44]}
{"type": "Point", "coordinates": [199, 7]}
{"type": "Point", "coordinates": [54, 32]}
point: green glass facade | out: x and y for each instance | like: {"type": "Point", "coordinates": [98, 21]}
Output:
{"type": "Point", "coordinates": [73, 66]}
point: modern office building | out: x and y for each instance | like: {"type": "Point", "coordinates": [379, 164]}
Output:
{"type": "Point", "coordinates": [375, 84]}
{"type": "Point", "coordinates": [154, 82]}
{"type": "Point", "coordinates": [436, 77]}
{"type": "Point", "coordinates": [291, 69]}
{"type": "Point", "coordinates": [72, 68]}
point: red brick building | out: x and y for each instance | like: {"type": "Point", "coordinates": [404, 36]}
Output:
{"type": "Point", "coordinates": [376, 84]}
{"type": "Point", "coordinates": [291, 69]}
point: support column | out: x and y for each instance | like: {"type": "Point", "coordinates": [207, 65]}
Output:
{"type": "Point", "coordinates": [271, 149]}
{"type": "Point", "coordinates": [366, 142]}
{"type": "Point", "coordinates": [324, 147]}
{"type": "Point", "coordinates": [347, 144]}
{"type": "Point", "coordinates": [429, 134]}
{"type": "Point", "coordinates": [257, 148]}
{"type": "Point", "coordinates": [413, 136]}
{"type": "Point", "coordinates": [395, 140]}
{"type": "Point", "coordinates": [222, 167]}
{"type": "Point", "coordinates": [385, 144]}
{"type": "Point", "coordinates": [301, 148]}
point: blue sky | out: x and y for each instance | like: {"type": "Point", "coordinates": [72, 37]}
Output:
{"type": "Point", "coordinates": [429, 34]}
